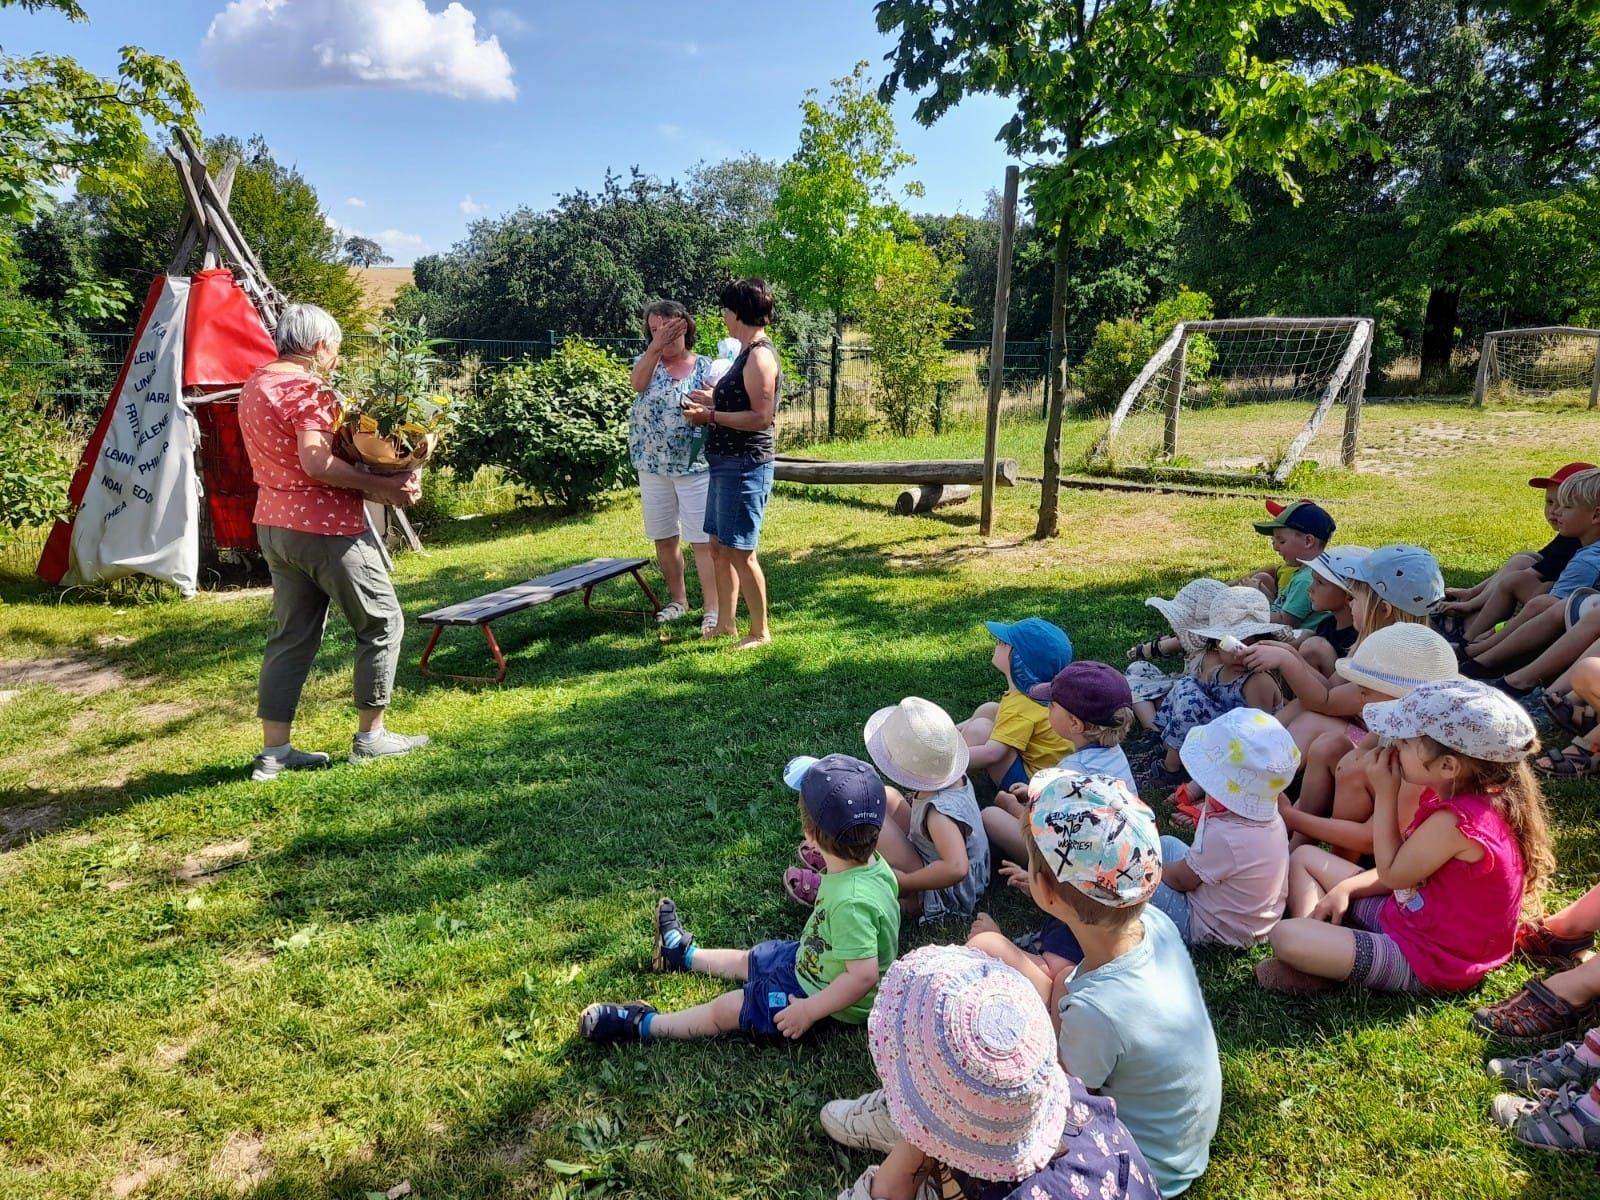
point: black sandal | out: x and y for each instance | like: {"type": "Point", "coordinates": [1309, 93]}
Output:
{"type": "Point", "coordinates": [1576, 761]}
{"type": "Point", "coordinates": [1572, 714]}
{"type": "Point", "coordinates": [1145, 651]}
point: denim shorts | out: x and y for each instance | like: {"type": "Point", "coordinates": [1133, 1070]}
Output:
{"type": "Point", "coordinates": [1016, 773]}
{"type": "Point", "coordinates": [736, 500]}
{"type": "Point", "coordinates": [769, 982]}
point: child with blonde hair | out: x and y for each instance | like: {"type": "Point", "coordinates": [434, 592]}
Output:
{"type": "Point", "coordinates": [1298, 531]}
{"type": "Point", "coordinates": [1438, 910]}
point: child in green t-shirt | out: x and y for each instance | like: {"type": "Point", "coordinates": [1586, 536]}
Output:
{"type": "Point", "coordinates": [831, 972]}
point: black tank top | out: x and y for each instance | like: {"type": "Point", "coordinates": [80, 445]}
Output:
{"type": "Point", "coordinates": [753, 446]}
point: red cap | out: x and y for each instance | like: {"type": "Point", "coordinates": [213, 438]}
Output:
{"type": "Point", "coordinates": [1556, 480]}
{"type": "Point", "coordinates": [1275, 508]}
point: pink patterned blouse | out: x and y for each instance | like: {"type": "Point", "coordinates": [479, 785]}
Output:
{"type": "Point", "coordinates": [273, 407]}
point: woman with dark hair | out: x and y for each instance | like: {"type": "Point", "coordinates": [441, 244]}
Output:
{"type": "Point", "coordinates": [740, 411]}
{"type": "Point", "coordinates": [672, 475]}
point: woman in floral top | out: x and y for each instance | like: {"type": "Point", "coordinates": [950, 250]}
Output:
{"type": "Point", "coordinates": [666, 455]}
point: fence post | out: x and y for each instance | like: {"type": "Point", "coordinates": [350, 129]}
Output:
{"type": "Point", "coordinates": [551, 352]}
{"type": "Point", "coordinates": [938, 407]}
{"type": "Point", "coordinates": [1594, 384]}
{"type": "Point", "coordinates": [835, 365]}
{"type": "Point", "coordinates": [1174, 399]}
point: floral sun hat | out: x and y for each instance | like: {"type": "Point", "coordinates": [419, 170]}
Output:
{"type": "Point", "coordinates": [1463, 715]}
{"type": "Point", "coordinates": [1097, 836]}
{"type": "Point", "coordinates": [1398, 658]}
{"type": "Point", "coordinates": [1244, 759]}
{"type": "Point", "coordinates": [968, 1059]}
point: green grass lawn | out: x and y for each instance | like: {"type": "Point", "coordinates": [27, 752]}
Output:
{"type": "Point", "coordinates": [322, 987]}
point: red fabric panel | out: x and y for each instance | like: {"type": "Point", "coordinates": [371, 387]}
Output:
{"type": "Point", "coordinates": [53, 562]}
{"type": "Point", "coordinates": [224, 339]}
{"type": "Point", "coordinates": [225, 468]}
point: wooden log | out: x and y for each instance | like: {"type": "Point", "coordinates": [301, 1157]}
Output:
{"type": "Point", "coordinates": [931, 471]}
{"type": "Point", "coordinates": [931, 496]}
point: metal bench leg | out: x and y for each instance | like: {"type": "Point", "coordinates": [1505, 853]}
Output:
{"type": "Point", "coordinates": [494, 649]}
{"type": "Point", "coordinates": [654, 608]}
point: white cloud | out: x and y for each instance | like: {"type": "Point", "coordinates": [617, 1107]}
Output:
{"type": "Point", "coordinates": [288, 44]}
{"type": "Point", "coordinates": [356, 202]}
{"type": "Point", "coordinates": [400, 244]}
{"type": "Point", "coordinates": [506, 23]}
{"type": "Point", "coordinates": [471, 207]}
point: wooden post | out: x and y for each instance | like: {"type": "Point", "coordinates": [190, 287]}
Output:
{"type": "Point", "coordinates": [997, 349]}
{"type": "Point", "coordinates": [1354, 397]}
{"type": "Point", "coordinates": [1180, 367]}
{"type": "Point", "coordinates": [835, 365]}
{"type": "Point", "coordinates": [930, 496]}
{"type": "Point", "coordinates": [1481, 383]}
{"type": "Point", "coordinates": [1594, 384]}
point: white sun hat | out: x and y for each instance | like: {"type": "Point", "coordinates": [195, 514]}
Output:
{"type": "Point", "coordinates": [1397, 658]}
{"type": "Point", "coordinates": [917, 745]}
{"type": "Point", "coordinates": [1337, 564]}
{"type": "Point", "coordinates": [1463, 715]}
{"type": "Point", "coordinates": [1191, 605]}
{"type": "Point", "coordinates": [1244, 759]}
{"type": "Point", "coordinates": [1240, 612]}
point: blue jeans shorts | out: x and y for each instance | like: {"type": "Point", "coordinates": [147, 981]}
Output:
{"type": "Point", "coordinates": [736, 500]}
{"type": "Point", "coordinates": [1016, 773]}
{"type": "Point", "coordinates": [770, 981]}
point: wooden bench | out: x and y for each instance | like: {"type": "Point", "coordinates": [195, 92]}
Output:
{"type": "Point", "coordinates": [483, 611]}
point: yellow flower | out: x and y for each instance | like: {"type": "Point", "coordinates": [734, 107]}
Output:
{"type": "Point", "coordinates": [367, 424]}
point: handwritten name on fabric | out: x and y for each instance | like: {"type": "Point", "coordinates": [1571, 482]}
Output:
{"type": "Point", "coordinates": [141, 515]}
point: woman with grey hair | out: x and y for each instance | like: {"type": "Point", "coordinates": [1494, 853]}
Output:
{"type": "Point", "coordinates": [311, 521]}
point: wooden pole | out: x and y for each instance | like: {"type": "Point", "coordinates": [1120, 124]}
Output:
{"type": "Point", "coordinates": [931, 496]}
{"type": "Point", "coordinates": [1174, 397]}
{"type": "Point", "coordinates": [947, 471]}
{"type": "Point", "coordinates": [997, 349]}
{"type": "Point", "coordinates": [1594, 384]}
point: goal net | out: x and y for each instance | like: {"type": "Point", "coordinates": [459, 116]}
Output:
{"type": "Point", "coordinates": [1552, 364]}
{"type": "Point", "coordinates": [1180, 417]}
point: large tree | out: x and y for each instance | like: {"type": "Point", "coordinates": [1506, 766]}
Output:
{"type": "Point", "coordinates": [276, 209]}
{"type": "Point", "coordinates": [59, 122]}
{"type": "Point", "coordinates": [837, 214]}
{"type": "Point", "coordinates": [587, 266]}
{"type": "Point", "coordinates": [1472, 218]}
{"type": "Point", "coordinates": [1134, 108]}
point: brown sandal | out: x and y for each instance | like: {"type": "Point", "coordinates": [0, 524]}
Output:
{"type": "Point", "coordinates": [1572, 714]}
{"type": "Point", "coordinates": [1535, 1014]}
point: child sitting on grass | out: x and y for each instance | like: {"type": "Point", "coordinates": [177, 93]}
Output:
{"type": "Point", "coordinates": [1012, 739]}
{"type": "Point", "coordinates": [831, 973]}
{"type": "Point", "coordinates": [1469, 613]}
{"type": "Point", "coordinates": [974, 1102]}
{"type": "Point", "coordinates": [1188, 608]}
{"type": "Point", "coordinates": [933, 835]}
{"type": "Point", "coordinates": [1438, 910]}
{"type": "Point", "coordinates": [1133, 1022]}
{"type": "Point", "coordinates": [1333, 575]}
{"type": "Point", "coordinates": [1229, 887]}
{"type": "Point", "coordinates": [1335, 803]}
{"type": "Point", "coordinates": [1298, 531]}
{"type": "Point", "coordinates": [1090, 708]}
{"type": "Point", "coordinates": [1239, 618]}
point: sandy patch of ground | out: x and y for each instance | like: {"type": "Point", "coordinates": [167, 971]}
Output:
{"type": "Point", "coordinates": [210, 860]}
{"type": "Point", "coordinates": [19, 825]}
{"type": "Point", "coordinates": [131, 1183]}
{"type": "Point", "coordinates": [242, 1162]}
{"type": "Point", "coordinates": [66, 673]}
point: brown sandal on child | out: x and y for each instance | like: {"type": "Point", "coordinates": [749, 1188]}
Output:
{"type": "Point", "coordinates": [1536, 1015]}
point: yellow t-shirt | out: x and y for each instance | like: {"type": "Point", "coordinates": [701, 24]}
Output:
{"type": "Point", "coordinates": [1024, 724]}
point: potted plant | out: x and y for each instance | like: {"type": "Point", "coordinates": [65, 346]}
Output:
{"type": "Point", "coordinates": [392, 414]}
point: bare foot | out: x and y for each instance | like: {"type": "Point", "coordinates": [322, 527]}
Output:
{"type": "Point", "coordinates": [717, 631]}
{"type": "Point", "coordinates": [751, 642]}
{"type": "Point", "coordinates": [982, 923]}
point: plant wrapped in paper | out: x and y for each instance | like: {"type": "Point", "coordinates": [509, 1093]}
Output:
{"type": "Point", "coordinates": [393, 413]}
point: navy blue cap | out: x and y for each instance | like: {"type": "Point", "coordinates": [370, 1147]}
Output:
{"type": "Point", "coordinates": [1303, 516]}
{"type": "Point", "coordinates": [841, 793]}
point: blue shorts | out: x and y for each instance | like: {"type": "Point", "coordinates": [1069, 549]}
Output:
{"type": "Point", "coordinates": [1016, 773]}
{"type": "Point", "coordinates": [770, 981]}
{"type": "Point", "coordinates": [736, 500]}
{"type": "Point", "coordinates": [1057, 939]}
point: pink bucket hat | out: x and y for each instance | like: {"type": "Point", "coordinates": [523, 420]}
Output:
{"type": "Point", "coordinates": [967, 1056]}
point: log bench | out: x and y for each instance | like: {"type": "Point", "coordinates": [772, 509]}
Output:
{"type": "Point", "coordinates": [484, 610]}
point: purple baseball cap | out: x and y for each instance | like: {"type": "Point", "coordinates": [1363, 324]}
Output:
{"type": "Point", "coordinates": [1090, 691]}
{"type": "Point", "coordinates": [839, 792]}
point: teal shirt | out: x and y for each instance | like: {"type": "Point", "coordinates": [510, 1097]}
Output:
{"type": "Point", "coordinates": [857, 915]}
{"type": "Point", "coordinates": [1294, 600]}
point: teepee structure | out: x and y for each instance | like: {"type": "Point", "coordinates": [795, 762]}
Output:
{"type": "Point", "coordinates": [165, 469]}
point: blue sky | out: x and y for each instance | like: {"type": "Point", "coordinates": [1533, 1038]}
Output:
{"type": "Point", "coordinates": [410, 122]}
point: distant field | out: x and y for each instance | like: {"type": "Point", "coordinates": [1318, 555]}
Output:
{"type": "Point", "coordinates": [381, 283]}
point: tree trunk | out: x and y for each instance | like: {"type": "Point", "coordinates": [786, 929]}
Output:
{"type": "Point", "coordinates": [1056, 382]}
{"type": "Point", "coordinates": [1439, 331]}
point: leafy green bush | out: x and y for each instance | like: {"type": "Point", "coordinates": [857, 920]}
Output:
{"type": "Point", "coordinates": [558, 428]}
{"type": "Point", "coordinates": [1122, 347]}
{"type": "Point", "coordinates": [34, 468]}
{"type": "Point", "coordinates": [907, 319]}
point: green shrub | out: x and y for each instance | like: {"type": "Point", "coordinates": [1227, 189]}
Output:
{"type": "Point", "coordinates": [1121, 348]}
{"type": "Point", "coordinates": [34, 468]}
{"type": "Point", "coordinates": [558, 428]}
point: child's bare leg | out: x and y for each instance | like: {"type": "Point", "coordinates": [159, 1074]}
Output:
{"type": "Point", "coordinates": [1005, 836]}
{"type": "Point", "coordinates": [1578, 986]}
{"type": "Point", "coordinates": [1353, 802]}
{"type": "Point", "coordinates": [721, 964]}
{"type": "Point", "coordinates": [1501, 599]}
{"type": "Point", "coordinates": [1560, 655]}
{"type": "Point", "coordinates": [1580, 917]}
{"type": "Point", "coordinates": [1318, 654]}
{"type": "Point", "coordinates": [703, 1020]}
{"type": "Point", "coordinates": [1313, 872]}
{"type": "Point", "coordinates": [1317, 786]}
{"type": "Point", "coordinates": [1032, 966]}
{"type": "Point", "coordinates": [984, 712]}
{"type": "Point", "coordinates": [1315, 947]}
{"type": "Point", "coordinates": [1582, 678]}
{"type": "Point", "coordinates": [1307, 727]}
{"type": "Point", "coordinates": [897, 807]}
{"type": "Point", "coordinates": [999, 769]}
{"type": "Point", "coordinates": [1145, 711]}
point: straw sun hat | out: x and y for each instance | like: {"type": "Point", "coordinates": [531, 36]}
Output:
{"type": "Point", "coordinates": [917, 745]}
{"type": "Point", "coordinates": [1398, 658]}
{"type": "Point", "coordinates": [967, 1056]}
{"type": "Point", "coordinates": [1191, 605]}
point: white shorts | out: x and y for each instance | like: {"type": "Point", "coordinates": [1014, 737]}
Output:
{"type": "Point", "coordinates": [674, 506]}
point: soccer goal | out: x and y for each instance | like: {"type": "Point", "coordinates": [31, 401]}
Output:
{"type": "Point", "coordinates": [1178, 420]}
{"type": "Point", "coordinates": [1552, 362]}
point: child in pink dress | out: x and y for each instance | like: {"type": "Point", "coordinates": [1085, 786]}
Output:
{"type": "Point", "coordinates": [1439, 909]}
